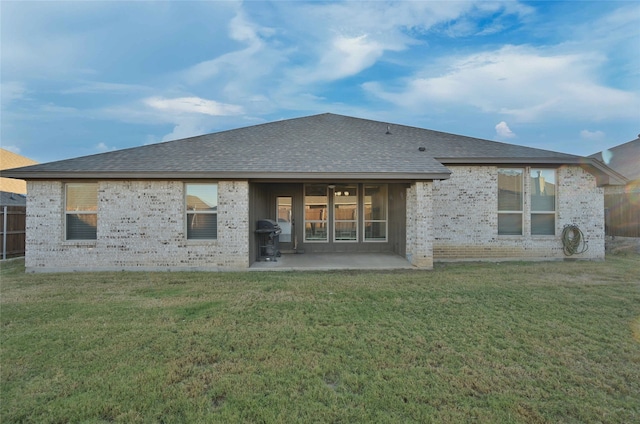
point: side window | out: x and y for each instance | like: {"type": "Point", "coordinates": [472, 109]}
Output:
{"type": "Point", "coordinates": [201, 211]}
{"type": "Point", "coordinates": [543, 201]}
{"type": "Point", "coordinates": [510, 204]}
{"type": "Point", "coordinates": [81, 211]}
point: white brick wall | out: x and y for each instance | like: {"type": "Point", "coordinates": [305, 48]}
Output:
{"type": "Point", "coordinates": [141, 226]}
{"type": "Point", "coordinates": [420, 224]}
{"type": "Point", "coordinates": [466, 220]}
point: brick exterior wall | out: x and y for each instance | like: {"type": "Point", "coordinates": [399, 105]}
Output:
{"type": "Point", "coordinates": [141, 226]}
{"type": "Point", "coordinates": [466, 219]}
{"type": "Point", "coordinates": [420, 221]}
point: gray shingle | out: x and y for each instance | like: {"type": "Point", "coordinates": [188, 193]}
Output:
{"type": "Point", "coordinates": [623, 158]}
{"type": "Point", "coordinates": [316, 146]}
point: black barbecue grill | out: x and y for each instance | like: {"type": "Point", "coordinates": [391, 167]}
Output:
{"type": "Point", "coordinates": [268, 238]}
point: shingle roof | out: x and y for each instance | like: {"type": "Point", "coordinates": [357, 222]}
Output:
{"type": "Point", "coordinates": [10, 160]}
{"type": "Point", "coordinates": [319, 146]}
{"type": "Point", "coordinates": [624, 158]}
{"type": "Point", "coordinates": [12, 199]}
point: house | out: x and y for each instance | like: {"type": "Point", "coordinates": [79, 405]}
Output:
{"type": "Point", "coordinates": [622, 202]}
{"type": "Point", "coordinates": [13, 201]}
{"type": "Point", "coordinates": [10, 160]}
{"type": "Point", "coordinates": [336, 184]}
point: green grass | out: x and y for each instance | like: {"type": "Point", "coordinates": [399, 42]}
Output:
{"type": "Point", "coordinates": [510, 342]}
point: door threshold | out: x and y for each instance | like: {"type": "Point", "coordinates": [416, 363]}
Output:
{"type": "Point", "coordinates": [291, 251]}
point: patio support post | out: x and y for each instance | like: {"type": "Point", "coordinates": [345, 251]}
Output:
{"type": "Point", "coordinates": [420, 225]}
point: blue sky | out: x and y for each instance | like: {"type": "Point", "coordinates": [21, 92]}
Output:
{"type": "Point", "coordinates": [86, 77]}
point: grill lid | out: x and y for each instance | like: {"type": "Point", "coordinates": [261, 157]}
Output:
{"type": "Point", "coordinates": [267, 226]}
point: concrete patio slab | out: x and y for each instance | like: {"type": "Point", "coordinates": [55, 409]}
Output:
{"type": "Point", "coordinates": [333, 261]}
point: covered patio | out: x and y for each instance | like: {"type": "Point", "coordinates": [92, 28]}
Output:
{"type": "Point", "coordinates": [333, 261]}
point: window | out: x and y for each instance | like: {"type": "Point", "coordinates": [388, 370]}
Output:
{"type": "Point", "coordinates": [543, 201]}
{"type": "Point", "coordinates": [81, 211]}
{"type": "Point", "coordinates": [345, 217]}
{"type": "Point", "coordinates": [375, 212]}
{"type": "Point", "coordinates": [316, 205]}
{"type": "Point", "coordinates": [346, 213]}
{"type": "Point", "coordinates": [202, 211]}
{"type": "Point", "coordinates": [510, 205]}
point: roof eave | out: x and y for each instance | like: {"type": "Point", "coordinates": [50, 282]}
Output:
{"type": "Point", "coordinates": [512, 160]}
{"type": "Point", "coordinates": [234, 175]}
{"type": "Point", "coordinates": [604, 175]}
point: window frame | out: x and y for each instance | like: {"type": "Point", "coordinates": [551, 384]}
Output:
{"type": "Point", "coordinates": [533, 212]}
{"type": "Point", "coordinates": [188, 212]}
{"type": "Point", "coordinates": [339, 188]}
{"type": "Point", "coordinates": [514, 212]}
{"type": "Point", "coordinates": [366, 221]}
{"type": "Point", "coordinates": [86, 212]}
{"type": "Point", "coordinates": [324, 221]}
{"type": "Point", "coordinates": [527, 202]}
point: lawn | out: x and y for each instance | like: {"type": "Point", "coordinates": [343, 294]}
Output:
{"type": "Point", "coordinates": [510, 342]}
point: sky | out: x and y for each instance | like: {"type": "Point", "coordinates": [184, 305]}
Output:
{"type": "Point", "coordinates": [85, 77]}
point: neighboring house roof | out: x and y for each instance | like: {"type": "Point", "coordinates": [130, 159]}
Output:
{"type": "Point", "coordinates": [624, 159]}
{"type": "Point", "coordinates": [314, 147]}
{"type": "Point", "coordinates": [10, 160]}
{"type": "Point", "coordinates": [12, 199]}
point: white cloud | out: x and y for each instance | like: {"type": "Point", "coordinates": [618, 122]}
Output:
{"type": "Point", "coordinates": [525, 83]}
{"type": "Point", "coordinates": [190, 116]}
{"type": "Point", "coordinates": [346, 56]}
{"type": "Point", "coordinates": [398, 21]}
{"type": "Point", "coordinates": [102, 147]}
{"type": "Point", "coordinates": [186, 128]}
{"type": "Point", "coordinates": [11, 91]}
{"type": "Point", "coordinates": [278, 51]}
{"type": "Point", "coordinates": [254, 59]}
{"type": "Point", "coordinates": [347, 38]}
{"type": "Point", "coordinates": [503, 130]}
{"type": "Point", "coordinates": [43, 40]}
{"type": "Point", "coordinates": [86, 87]}
{"type": "Point", "coordinates": [193, 105]}
{"type": "Point", "coordinates": [243, 29]}
{"type": "Point", "coordinates": [51, 108]}
{"type": "Point", "coordinates": [592, 135]}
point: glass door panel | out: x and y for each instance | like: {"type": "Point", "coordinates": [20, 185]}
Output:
{"type": "Point", "coordinates": [285, 218]}
{"type": "Point", "coordinates": [316, 204]}
{"type": "Point", "coordinates": [345, 203]}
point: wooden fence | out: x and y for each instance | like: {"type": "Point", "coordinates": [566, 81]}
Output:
{"type": "Point", "coordinates": [622, 214]}
{"type": "Point", "coordinates": [12, 229]}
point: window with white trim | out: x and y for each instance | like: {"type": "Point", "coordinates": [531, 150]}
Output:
{"type": "Point", "coordinates": [81, 211]}
{"type": "Point", "coordinates": [201, 201]}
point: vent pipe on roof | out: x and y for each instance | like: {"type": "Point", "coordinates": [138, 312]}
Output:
{"type": "Point", "coordinates": [388, 129]}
